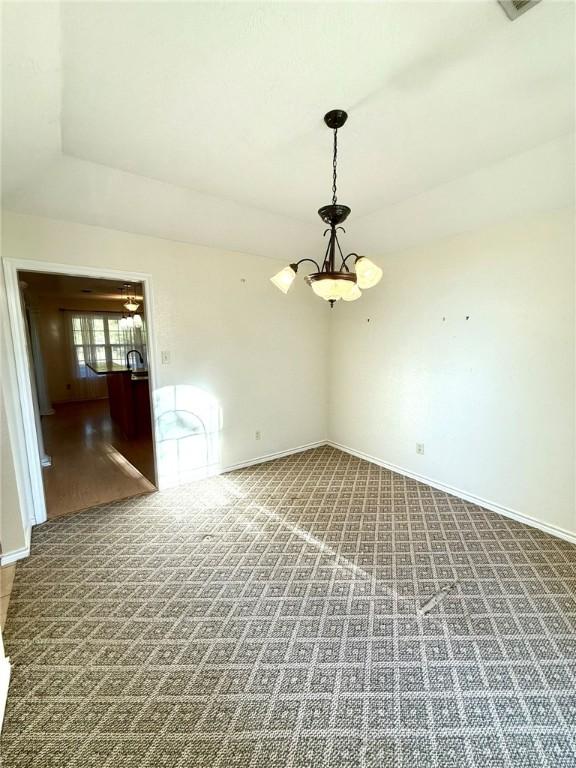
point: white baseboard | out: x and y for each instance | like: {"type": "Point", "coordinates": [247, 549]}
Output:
{"type": "Point", "coordinates": [217, 469]}
{"type": "Point", "coordinates": [553, 530]}
{"type": "Point", "coordinates": [271, 456]}
{"type": "Point", "coordinates": [7, 558]}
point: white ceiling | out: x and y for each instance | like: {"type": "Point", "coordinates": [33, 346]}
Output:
{"type": "Point", "coordinates": [203, 121]}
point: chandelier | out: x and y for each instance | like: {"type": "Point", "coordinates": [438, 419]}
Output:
{"type": "Point", "coordinates": [130, 319]}
{"type": "Point", "coordinates": [328, 282]}
{"type": "Point", "coordinates": [131, 304]}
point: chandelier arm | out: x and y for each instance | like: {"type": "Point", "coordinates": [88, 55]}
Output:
{"type": "Point", "coordinates": [311, 261]}
{"type": "Point", "coordinates": [347, 257]}
{"type": "Point", "coordinates": [332, 251]}
{"type": "Point", "coordinates": [326, 259]}
{"type": "Point", "coordinates": [343, 265]}
{"type": "Point", "coordinates": [329, 229]}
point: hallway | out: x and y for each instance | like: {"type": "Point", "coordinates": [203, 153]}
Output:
{"type": "Point", "coordinates": [91, 463]}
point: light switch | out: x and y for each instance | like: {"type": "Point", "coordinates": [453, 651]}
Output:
{"type": "Point", "coordinates": [165, 357]}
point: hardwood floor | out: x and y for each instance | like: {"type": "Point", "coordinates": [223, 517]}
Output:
{"type": "Point", "coordinates": [91, 463]}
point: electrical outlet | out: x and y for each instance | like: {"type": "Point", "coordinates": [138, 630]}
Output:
{"type": "Point", "coordinates": [258, 435]}
{"type": "Point", "coordinates": [419, 447]}
{"type": "Point", "coordinates": [165, 358]}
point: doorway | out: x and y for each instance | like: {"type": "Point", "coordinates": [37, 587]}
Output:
{"type": "Point", "coordinates": [87, 342]}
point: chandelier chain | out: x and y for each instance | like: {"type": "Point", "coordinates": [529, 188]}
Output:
{"type": "Point", "coordinates": [334, 164]}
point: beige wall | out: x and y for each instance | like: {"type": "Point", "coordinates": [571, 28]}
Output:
{"type": "Point", "coordinates": [491, 397]}
{"type": "Point", "coordinates": [258, 355]}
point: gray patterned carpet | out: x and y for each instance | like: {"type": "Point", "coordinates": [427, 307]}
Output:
{"type": "Point", "coordinates": [269, 618]}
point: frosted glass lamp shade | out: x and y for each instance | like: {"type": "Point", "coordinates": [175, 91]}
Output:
{"type": "Point", "coordinates": [367, 273]}
{"type": "Point", "coordinates": [353, 294]}
{"type": "Point", "coordinates": [131, 306]}
{"type": "Point", "coordinates": [333, 288]}
{"type": "Point", "coordinates": [137, 321]}
{"type": "Point", "coordinates": [326, 289]}
{"type": "Point", "coordinates": [283, 280]}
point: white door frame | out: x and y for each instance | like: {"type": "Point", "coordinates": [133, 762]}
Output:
{"type": "Point", "coordinates": [29, 455]}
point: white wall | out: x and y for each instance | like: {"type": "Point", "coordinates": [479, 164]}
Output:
{"type": "Point", "coordinates": [258, 355]}
{"type": "Point", "coordinates": [492, 397]}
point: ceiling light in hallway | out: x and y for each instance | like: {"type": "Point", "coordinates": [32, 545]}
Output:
{"type": "Point", "coordinates": [131, 320]}
{"type": "Point", "coordinates": [128, 293]}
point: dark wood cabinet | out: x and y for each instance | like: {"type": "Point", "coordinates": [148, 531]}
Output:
{"type": "Point", "coordinates": [129, 399]}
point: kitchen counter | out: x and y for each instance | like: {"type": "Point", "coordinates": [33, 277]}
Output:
{"type": "Point", "coordinates": [103, 368]}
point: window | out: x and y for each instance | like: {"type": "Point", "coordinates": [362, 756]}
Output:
{"type": "Point", "coordinates": [98, 338]}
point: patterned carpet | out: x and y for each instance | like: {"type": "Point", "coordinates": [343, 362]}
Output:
{"type": "Point", "coordinates": [270, 618]}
